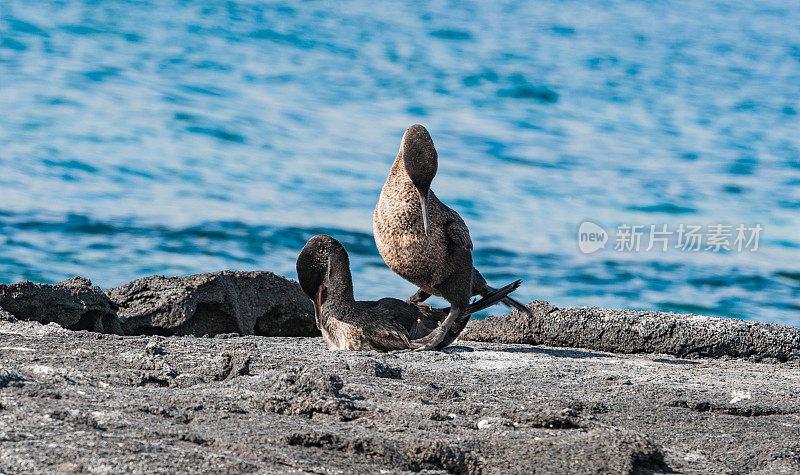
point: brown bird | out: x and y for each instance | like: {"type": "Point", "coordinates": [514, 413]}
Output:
{"type": "Point", "coordinates": [424, 241]}
{"type": "Point", "coordinates": [388, 324]}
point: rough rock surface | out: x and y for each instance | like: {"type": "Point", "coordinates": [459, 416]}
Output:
{"type": "Point", "coordinates": [82, 401]}
{"type": "Point", "coordinates": [73, 304]}
{"type": "Point", "coordinates": [246, 303]}
{"type": "Point", "coordinates": [629, 331]}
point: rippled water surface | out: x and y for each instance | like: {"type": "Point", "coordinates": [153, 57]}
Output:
{"type": "Point", "coordinates": [164, 137]}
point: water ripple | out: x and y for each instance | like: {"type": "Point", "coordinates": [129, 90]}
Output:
{"type": "Point", "coordinates": [176, 137]}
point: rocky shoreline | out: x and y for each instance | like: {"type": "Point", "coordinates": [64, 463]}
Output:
{"type": "Point", "coordinates": [266, 304]}
{"type": "Point", "coordinates": [637, 392]}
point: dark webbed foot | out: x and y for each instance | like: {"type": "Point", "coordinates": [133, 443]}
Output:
{"type": "Point", "coordinates": [418, 297]}
{"type": "Point", "coordinates": [434, 338]}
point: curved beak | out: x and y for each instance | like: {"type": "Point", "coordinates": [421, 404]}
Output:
{"type": "Point", "coordinates": [319, 301]}
{"type": "Point", "coordinates": [423, 199]}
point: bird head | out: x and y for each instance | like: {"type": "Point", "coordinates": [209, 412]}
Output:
{"type": "Point", "coordinates": [323, 269]}
{"type": "Point", "coordinates": [420, 162]}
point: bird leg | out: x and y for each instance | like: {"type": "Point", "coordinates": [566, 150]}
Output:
{"type": "Point", "coordinates": [418, 297]}
{"type": "Point", "coordinates": [432, 339]}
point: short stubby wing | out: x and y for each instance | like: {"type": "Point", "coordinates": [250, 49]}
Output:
{"type": "Point", "coordinates": [392, 313]}
{"type": "Point", "coordinates": [455, 227]}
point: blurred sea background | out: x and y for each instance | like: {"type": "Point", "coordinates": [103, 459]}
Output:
{"type": "Point", "coordinates": [177, 137]}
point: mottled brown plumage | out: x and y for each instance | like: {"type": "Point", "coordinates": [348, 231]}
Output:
{"type": "Point", "coordinates": [423, 240]}
{"type": "Point", "coordinates": [388, 324]}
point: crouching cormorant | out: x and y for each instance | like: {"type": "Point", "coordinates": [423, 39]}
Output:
{"type": "Point", "coordinates": [424, 241]}
{"type": "Point", "coordinates": [388, 324]}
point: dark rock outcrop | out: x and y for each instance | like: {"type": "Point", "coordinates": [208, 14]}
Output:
{"type": "Point", "coordinates": [74, 304]}
{"type": "Point", "coordinates": [629, 331]}
{"type": "Point", "coordinates": [246, 303]}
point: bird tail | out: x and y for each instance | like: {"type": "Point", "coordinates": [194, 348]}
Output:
{"type": "Point", "coordinates": [509, 302]}
{"type": "Point", "coordinates": [495, 296]}
{"type": "Point", "coordinates": [479, 286]}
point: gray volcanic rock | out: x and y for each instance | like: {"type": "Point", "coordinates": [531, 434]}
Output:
{"type": "Point", "coordinates": [6, 316]}
{"type": "Point", "coordinates": [88, 402]}
{"type": "Point", "coordinates": [245, 303]}
{"type": "Point", "coordinates": [629, 331]}
{"type": "Point", "coordinates": [73, 304]}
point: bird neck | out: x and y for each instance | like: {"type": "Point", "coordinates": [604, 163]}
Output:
{"type": "Point", "coordinates": [340, 282]}
{"type": "Point", "coordinates": [399, 182]}
{"type": "Point", "coordinates": [398, 173]}
{"type": "Point", "coordinates": [340, 292]}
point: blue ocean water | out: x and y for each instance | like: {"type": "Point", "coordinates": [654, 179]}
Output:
{"type": "Point", "coordinates": [175, 137]}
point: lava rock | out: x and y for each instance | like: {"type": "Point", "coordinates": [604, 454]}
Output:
{"type": "Point", "coordinates": [630, 331]}
{"type": "Point", "coordinates": [495, 423]}
{"type": "Point", "coordinates": [246, 303]}
{"type": "Point", "coordinates": [5, 316]}
{"type": "Point", "coordinates": [70, 401]}
{"type": "Point", "coordinates": [154, 347]}
{"type": "Point", "coordinates": [74, 304]}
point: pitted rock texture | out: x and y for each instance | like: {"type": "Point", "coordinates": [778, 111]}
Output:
{"type": "Point", "coordinates": [630, 331]}
{"type": "Point", "coordinates": [244, 303]}
{"type": "Point", "coordinates": [74, 304]}
{"type": "Point", "coordinates": [88, 402]}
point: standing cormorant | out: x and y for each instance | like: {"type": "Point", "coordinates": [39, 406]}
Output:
{"type": "Point", "coordinates": [424, 241]}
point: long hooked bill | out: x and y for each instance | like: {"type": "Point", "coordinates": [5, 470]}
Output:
{"type": "Point", "coordinates": [423, 199]}
{"type": "Point", "coordinates": [319, 301]}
